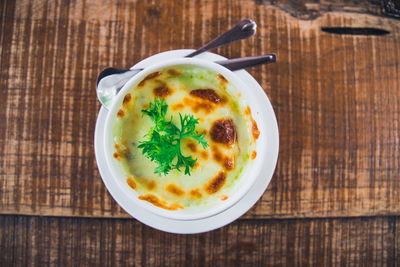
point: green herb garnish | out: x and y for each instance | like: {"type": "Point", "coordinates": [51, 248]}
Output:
{"type": "Point", "coordinates": [164, 139]}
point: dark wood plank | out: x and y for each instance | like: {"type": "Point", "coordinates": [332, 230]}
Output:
{"type": "Point", "coordinates": [336, 98]}
{"type": "Point", "coordinates": [120, 242]}
{"type": "Point", "coordinates": [311, 9]}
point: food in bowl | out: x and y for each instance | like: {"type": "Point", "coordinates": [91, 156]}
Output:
{"type": "Point", "coordinates": [184, 137]}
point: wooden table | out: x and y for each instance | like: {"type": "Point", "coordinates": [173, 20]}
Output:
{"type": "Point", "coordinates": [334, 198]}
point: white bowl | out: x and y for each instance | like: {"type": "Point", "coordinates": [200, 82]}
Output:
{"type": "Point", "coordinates": [180, 222]}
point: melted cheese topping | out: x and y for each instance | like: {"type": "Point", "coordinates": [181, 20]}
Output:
{"type": "Point", "coordinates": [208, 96]}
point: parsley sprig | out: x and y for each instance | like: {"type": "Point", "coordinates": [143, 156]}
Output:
{"type": "Point", "coordinates": [163, 144]}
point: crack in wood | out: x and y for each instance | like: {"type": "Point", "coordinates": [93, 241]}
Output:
{"type": "Point", "coordinates": [355, 30]}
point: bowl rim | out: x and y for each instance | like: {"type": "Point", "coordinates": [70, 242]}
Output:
{"type": "Point", "coordinates": [178, 215]}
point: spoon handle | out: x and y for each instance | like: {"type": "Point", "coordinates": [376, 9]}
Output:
{"type": "Point", "coordinates": [246, 62]}
{"type": "Point", "coordinates": [241, 30]}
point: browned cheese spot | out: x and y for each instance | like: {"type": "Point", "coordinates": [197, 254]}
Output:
{"type": "Point", "coordinates": [199, 105]}
{"type": "Point", "coordinates": [226, 162]}
{"type": "Point", "coordinates": [222, 80]}
{"type": "Point", "coordinates": [162, 91]}
{"type": "Point", "coordinates": [204, 155]}
{"type": "Point", "coordinates": [127, 99]}
{"type": "Point", "coordinates": [192, 146]}
{"type": "Point", "coordinates": [175, 190]}
{"type": "Point", "coordinates": [120, 113]}
{"type": "Point", "coordinates": [153, 199]}
{"type": "Point", "coordinates": [151, 185]}
{"type": "Point", "coordinates": [131, 182]}
{"type": "Point", "coordinates": [145, 106]}
{"type": "Point", "coordinates": [223, 131]}
{"type": "Point", "coordinates": [149, 77]}
{"type": "Point", "coordinates": [178, 106]}
{"type": "Point", "coordinates": [195, 194]}
{"type": "Point", "coordinates": [224, 197]}
{"type": "Point", "coordinates": [217, 155]}
{"type": "Point", "coordinates": [254, 130]}
{"type": "Point", "coordinates": [196, 165]}
{"type": "Point", "coordinates": [254, 154]}
{"type": "Point", "coordinates": [122, 151]}
{"type": "Point", "coordinates": [216, 183]}
{"type": "Point", "coordinates": [174, 72]}
{"type": "Point", "coordinates": [229, 164]}
{"type": "Point", "coordinates": [206, 94]}
{"type": "Point", "coordinates": [175, 206]}
{"type": "Point", "coordinates": [247, 111]}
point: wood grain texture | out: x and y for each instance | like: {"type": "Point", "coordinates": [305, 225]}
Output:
{"type": "Point", "coordinates": [46, 241]}
{"type": "Point", "coordinates": [311, 9]}
{"type": "Point", "coordinates": [336, 98]}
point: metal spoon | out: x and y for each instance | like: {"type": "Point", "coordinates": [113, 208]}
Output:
{"type": "Point", "coordinates": [111, 80]}
{"type": "Point", "coordinates": [113, 88]}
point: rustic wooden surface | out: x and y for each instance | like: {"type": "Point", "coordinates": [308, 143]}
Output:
{"type": "Point", "coordinates": [311, 9]}
{"type": "Point", "coordinates": [122, 242]}
{"type": "Point", "coordinates": [336, 99]}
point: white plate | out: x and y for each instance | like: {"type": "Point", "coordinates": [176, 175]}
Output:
{"type": "Point", "coordinates": [223, 218]}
